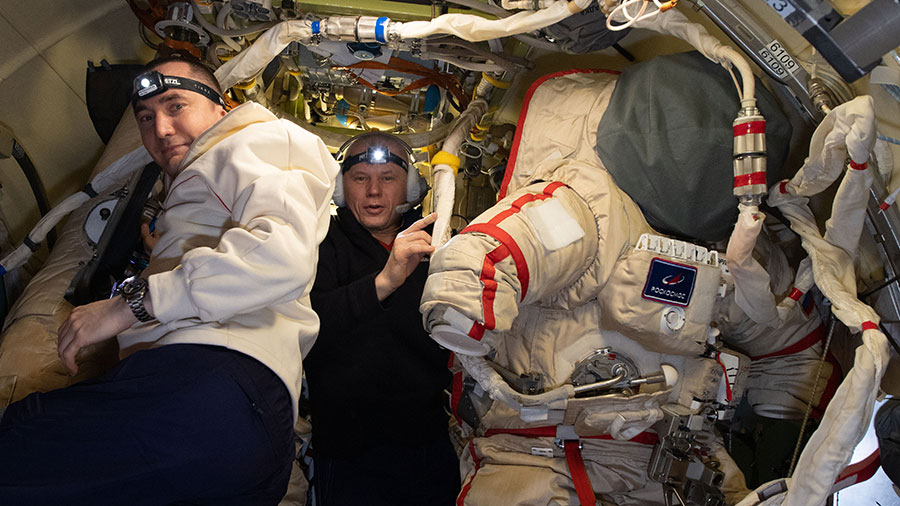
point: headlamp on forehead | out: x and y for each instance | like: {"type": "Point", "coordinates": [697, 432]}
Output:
{"type": "Point", "coordinates": [150, 84]}
{"type": "Point", "coordinates": [374, 155]}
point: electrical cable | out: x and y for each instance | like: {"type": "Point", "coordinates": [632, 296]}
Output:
{"type": "Point", "coordinates": [37, 186]}
{"type": "Point", "coordinates": [812, 396]}
{"type": "Point", "coordinates": [215, 30]}
{"type": "Point", "coordinates": [143, 34]}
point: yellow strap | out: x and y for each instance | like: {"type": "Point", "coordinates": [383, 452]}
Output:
{"type": "Point", "coordinates": [443, 157]}
{"type": "Point", "coordinates": [246, 85]}
{"type": "Point", "coordinates": [494, 82]}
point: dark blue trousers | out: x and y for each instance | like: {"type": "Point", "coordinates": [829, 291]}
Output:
{"type": "Point", "coordinates": [422, 475]}
{"type": "Point", "coordinates": [188, 424]}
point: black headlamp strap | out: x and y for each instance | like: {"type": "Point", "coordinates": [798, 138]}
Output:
{"type": "Point", "coordinates": [365, 156]}
{"type": "Point", "coordinates": [153, 83]}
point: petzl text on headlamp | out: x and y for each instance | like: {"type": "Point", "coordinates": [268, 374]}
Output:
{"type": "Point", "coordinates": [374, 155]}
{"type": "Point", "coordinates": [150, 84]}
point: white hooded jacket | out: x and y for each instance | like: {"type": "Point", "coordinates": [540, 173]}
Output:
{"type": "Point", "coordinates": [237, 254]}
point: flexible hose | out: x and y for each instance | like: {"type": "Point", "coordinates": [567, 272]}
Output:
{"type": "Point", "coordinates": [215, 30]}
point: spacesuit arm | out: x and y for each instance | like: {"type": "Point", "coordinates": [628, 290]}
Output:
{"type": "Point", "coordinates": [279, 213]}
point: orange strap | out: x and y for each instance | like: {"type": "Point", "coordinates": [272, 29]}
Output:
{"type": "Point", "coordinates": [429, 76]}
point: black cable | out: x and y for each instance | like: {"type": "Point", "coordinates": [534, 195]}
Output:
{"type": "Point", "coordinates": [878, 288]}
{"type": "Point", "coordinates": [37, 186]}
{"type": "Point", "coordinates": [144, 38]}
{"type": "Point", "coordinates": [890, 337]}
{"type": "Point", "coordinates": [624, 52]}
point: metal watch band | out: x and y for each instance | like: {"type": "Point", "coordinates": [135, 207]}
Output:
{"type": "Point", "coordinates": [135, 299]}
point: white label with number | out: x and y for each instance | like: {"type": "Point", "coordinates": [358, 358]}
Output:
{"type": "Point", "coordinates": [782, 7]}
{"type": "Point", "coordinates": [778, 59]}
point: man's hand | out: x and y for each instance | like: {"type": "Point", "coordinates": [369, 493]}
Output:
{"type": "Point", "coordinates": [410, 246]}
{"type": "Point", "coordinates": [148, 238]}
{"type": "Point", "coordinates": [91, 324]}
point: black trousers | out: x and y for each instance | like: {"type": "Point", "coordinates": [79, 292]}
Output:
{"type": "Point", "coordinates": [424, 475]}
{"type": "Point", "coordinates": [181, 423]}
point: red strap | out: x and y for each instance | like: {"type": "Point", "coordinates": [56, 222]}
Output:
{"type": "Point", "coordinates": [748, 179]}
{"type": "Point", "coordinates": [859, 472]}
{"type": "Point", "coordinates": [644, 438]}
{"type": "Point", "coordinates": [477, 331]}
{"type": "Point", "coordinates": [858, 166]}
{"type": "Point", "coordinates": [834, 381]}
{"type": "Point", "coordinates": [509, 246]}
{"type": "Point", "coordinates": [727, 384]}
{"type": "Point", "coordinates": [579, 475]}
{"type": "Point", "coordinates": [461, 499]}
{"type": "Point", "coordinates": [750, 127]}
{"type": "Point", "coordinates": [812, 338]}
{"type": "Point", "coordinates": [869, 326]}
{"type": "Point", "coordinates": [795, 294]}
{"type": "Point", "coordinates": [456, 395]}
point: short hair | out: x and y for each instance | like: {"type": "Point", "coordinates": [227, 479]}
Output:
{"type": "Point", "coordinates": [199, 70]}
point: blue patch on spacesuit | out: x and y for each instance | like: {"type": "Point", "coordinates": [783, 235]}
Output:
{"type": "Point", "coordinates": [670, 283]}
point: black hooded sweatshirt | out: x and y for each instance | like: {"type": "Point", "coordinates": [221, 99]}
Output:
{"type": "Point", "coordinates": [375, 376]}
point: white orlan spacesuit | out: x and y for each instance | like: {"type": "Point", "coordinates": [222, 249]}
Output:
{"type": "Point", "coordinates": [599, 341]}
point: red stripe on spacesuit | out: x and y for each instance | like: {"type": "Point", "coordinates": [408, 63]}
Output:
{"type": "Point", "coordinates": [727, 384]}
{"type": "Point", "coordinates": [517, 204]}
{"type": "Point", "coordinates": [782, 186]}
{"type": "Point", "coordinates": [580, 478]}
{"type": "Point", "coordinates": [834, 381]}
{"type": "Point", "coordinates": [861, 471]}
{"type": "Point", "coordinates": [812, 338]}
{"type": "Point", "coordinates": [644, 438]}
{"type": "Point", "coordinates": [858, 166]}
{"type": "Point", "coordinates": [520, 125]}
{"type": "Point", "coordinates": [456, 395]}
{"type": "Point", "coordinates": [869, 326]}
{"type": "Point", "coordinates": [476, 332]}
{"type": "Point", "coordinates": [508, 247]}
{"type": "Point", "coordinates": [795, 294]}
{"type": "Point", "coordinates": [461, 498]}
{"type": "Point", "coordinates": [506, 240]}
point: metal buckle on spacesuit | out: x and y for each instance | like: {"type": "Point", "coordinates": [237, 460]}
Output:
{"type": "Point", "coordinates": [566, 433]}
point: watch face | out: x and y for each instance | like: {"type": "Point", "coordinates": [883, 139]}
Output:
{"type": "Point", "coordinates": [133, 287]}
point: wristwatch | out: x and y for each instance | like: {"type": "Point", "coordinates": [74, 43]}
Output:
{"type": "Point", "coordinates": [133, 290]}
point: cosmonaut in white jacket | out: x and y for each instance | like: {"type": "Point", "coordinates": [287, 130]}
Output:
{"type": "Point", "coordinates": [212, 339]}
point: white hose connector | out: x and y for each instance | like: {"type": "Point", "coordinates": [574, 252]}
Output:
{"type": "Point", "coordinates": [726, 53]}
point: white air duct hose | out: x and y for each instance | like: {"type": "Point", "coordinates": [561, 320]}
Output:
{"type": "Point", "coordinates": [445, 164]}
{"type": "Point", "coordinates": [847, 417]}
{"type": "Point", "coordinates": [477, 28]}
{"type": "Point", "coordinates": [674, 23]}
{"type": "Point", "coordinates": [249, 63]}
{"type": "Point", "coordinates": [102, 183]}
